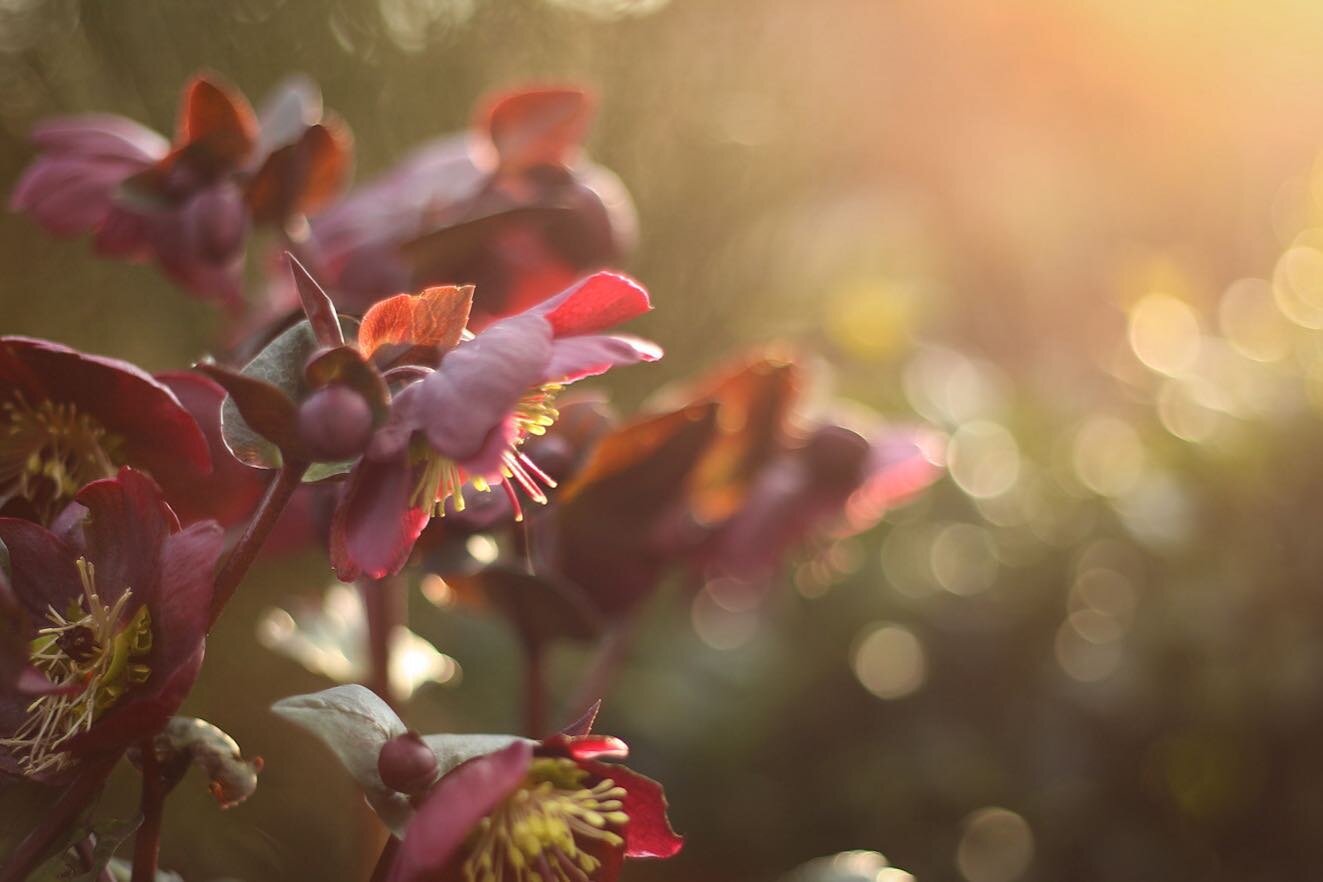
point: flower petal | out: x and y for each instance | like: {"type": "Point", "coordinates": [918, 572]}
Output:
{"type": "Point", "coordinates": [479, 383]}
{"type": "Point", "coordinates": [434, 317]}
{"type": "Point", "coordinates": [537, 126]}
{"type": "Point", "coordinates": [648, 833]}
{"type": "Point", "coordinates": [454, 807]}
{"type": "Point", "coordinates": [375, 523]}
{"type": "Point", "coordinates": [601, 301]}
{"type": "Point", "coordinates": [573, 358]}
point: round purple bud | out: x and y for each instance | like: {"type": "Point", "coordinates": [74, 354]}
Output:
{"type": "Point", "coordinates": [406, 764]}
{"type": "Point", "coordinates": [335, 423]}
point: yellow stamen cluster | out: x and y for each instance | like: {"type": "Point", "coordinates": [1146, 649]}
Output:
{"type": "Point", "coordinates": [541, 831]}
{"type": "Point", "coordinates": [48, 452]}
{"type": "Point", "coordinates": [443, 479]}
{"type": "Point", "coordinates": [89, 650]}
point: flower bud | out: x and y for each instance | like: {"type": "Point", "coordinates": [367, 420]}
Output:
{"type": "Point", "coordinates": [335, 423]}
{"type": "Point", "coordinates": [406, 764]}
{"type": "Point", "coordinates": [836, 456]}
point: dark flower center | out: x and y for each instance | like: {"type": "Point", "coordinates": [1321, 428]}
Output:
{"type": "Point", "coordinates": [96, 656]}
{"type": "Point", "coordinates": [48, 452]}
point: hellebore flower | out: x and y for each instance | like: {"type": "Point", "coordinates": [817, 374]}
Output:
{"type": "Point", "coordinates": [465, 422]}
{"type": "Point", "coordinates": [186, 205]}
{"type": "Point", "coordinates": [510, 207]}
{"type": "Point", "coordinates": [116, 595]}
{"type": "Point", "coordinates": [548, 811]}
{"type": "Point", "coordinates": [488, 807]}
{"type": "Point", "coordinates": [68, 418]}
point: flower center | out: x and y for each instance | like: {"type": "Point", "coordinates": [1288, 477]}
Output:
{"type": "Point", "coordinates": [444, 479]}
{"type": "Point", "coordinates": [48, 452]}
{"type": "Point", "coordinates": [541, 831]}
{"type": "Point", "coordinates": [94, 658]}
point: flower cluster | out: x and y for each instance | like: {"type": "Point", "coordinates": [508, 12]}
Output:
{"type": "Point", "coordinates": [396, 387]}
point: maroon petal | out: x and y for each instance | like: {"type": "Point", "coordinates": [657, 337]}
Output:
{"type": "Point", "coordinates": [375, 525]}
{"type": "Point", "coordinates": [121, 532]}
{"type": "Point", "coordinates": [454, 807]}
{"type": "Point", "coordinates": [648, 833]}
{"type": "Point", "coordinates": [42, 570]}
{"type": "Point", "coordinates": [573, 358]}
{"type": "Point", "coordinates": [159, 434]}
{"type": "Point", "coordinates": [600, 301]}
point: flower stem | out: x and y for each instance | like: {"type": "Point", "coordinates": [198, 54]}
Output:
{"type": "Point", "coordinates": [56, 822]}
{"type": "Point", "coordinates": [612, 652]}
{"type": "Point", "coordinates": [387, 859]}
{"type": "Point", "coordinates": [231, 573]}
{"type": "Point", "coordinates": [535, 689]}
{"type": "Point", "coordinates": [386, 605]}
{"type": "Point", "coordinates": [147, 847]}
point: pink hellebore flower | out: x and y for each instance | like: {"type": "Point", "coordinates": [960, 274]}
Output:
{"type": "Point", "coordinates": [465, 422]}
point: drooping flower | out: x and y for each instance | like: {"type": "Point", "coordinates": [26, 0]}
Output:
{"type": "Point", "coordinates": [116, 596]}
{"type": "Point", "coordinates": [547, 811]}
{"type": "Point", "coordinates": [464, 423]}
{"type": "Point", "coordinates": [478, 808]}
{"type": "Point", "coordinates": [510, 207]}
{"type": "Point", "coordinates": [187, 204]}
{"type": "Point", "coordinates": [68, 418]}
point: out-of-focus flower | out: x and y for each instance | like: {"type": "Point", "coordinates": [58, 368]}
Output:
{"type": "Point", "coordinates": [466, 420]}
{"type": "Point", "coordinates": [772, 478]}
{"type": "Point", "coordinates": [187, 204]}
{"type": "Point", "coordinates": [510, 207]}
{"type": "Point", "coordinates": [537, 812]}
{"type": "Point", "coordinates": [68, 418]}
{"type": "Point", "coordinates": [117, 595]}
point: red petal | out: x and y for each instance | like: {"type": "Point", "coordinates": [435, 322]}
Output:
{"type": "Point", "coordinates": [435, 317]}
{"type": "Point", "coordinates": [599, 302]}
{"type": "Point", "coordinates": [537, 127]}
{"type": "Point", "coordinates": [648, 833]}
{"type": "Point", "coordinates": [218, 120]}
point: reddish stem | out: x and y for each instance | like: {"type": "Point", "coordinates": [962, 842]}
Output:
{"type": "Point", "coordinates": [277, 496]}
{"type": "Point", "coordinates": [56, 822]}
{"type": "Point", "coordinates": [386, 861]}
{"type": "Point", "coordinates": [385, 604]}
{"type": "Point", "coordinates": [147, 847]}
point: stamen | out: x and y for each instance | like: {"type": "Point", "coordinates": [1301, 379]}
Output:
{"type": "Point", "coordinates": [87, 650]}
{"type": "Point", "coordinates": [443, 479]}
{"type": "Point", "coordinates": [48, 452]}
{"type": "Point", "coordinates": [541, 832]}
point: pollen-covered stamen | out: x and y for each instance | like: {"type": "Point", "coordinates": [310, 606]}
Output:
{"type": "Point", "coordinates": [443, 479]}
{"type": "Point", "coordinates": [94, 656]}
{"type": "Point", "coordinates": [48, 452]}
{"type": "Point", "coordinates": [545, 831]}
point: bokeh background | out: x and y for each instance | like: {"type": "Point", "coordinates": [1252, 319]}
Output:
{"type": "Point", "coordinates": [1084, 239]}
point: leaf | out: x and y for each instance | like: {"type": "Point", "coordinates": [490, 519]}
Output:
{"type": "Point", "coordinates": [435, 317]}
{"type": "Point", "coordinates": [259, 422]}
{"type": "Point", "coordinates": [354, 722]}
{"type": "Point", "coordinates": [317, 305]}
{"type": "Point", "coordinates": [259, 417]}
{"type": "Point", "coordinates": [301, 177]}
{"type": "Point", "coordinates": [433, 256]}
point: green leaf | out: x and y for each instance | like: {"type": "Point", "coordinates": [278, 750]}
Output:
{"type": "Point", "coordinates": [354, 722]}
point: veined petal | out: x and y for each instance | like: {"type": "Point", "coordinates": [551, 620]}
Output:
{"type": "Point", "coordinates": [573, 358]}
